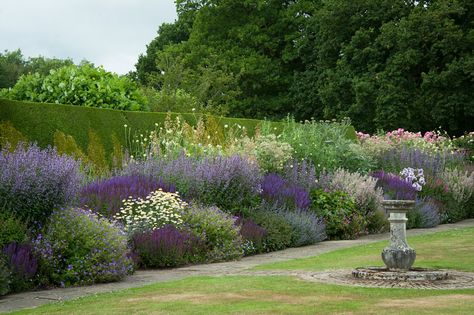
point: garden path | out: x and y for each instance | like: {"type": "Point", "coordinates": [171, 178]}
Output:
{"type": "Point", "coordinates": [144, 277]}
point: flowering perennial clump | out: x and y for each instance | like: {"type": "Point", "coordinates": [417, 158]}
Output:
{"type": "Point", "coordinates": [416, 180]}
{"type": "Point", "coordinates": [157, 209]}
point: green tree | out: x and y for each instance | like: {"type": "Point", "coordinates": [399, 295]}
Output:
{"type": "Point", "coordinates": [12, 65]}
{"type": "Point", "coordinates": [82, 85]}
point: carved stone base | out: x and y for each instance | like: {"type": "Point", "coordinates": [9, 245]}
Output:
{"type": "Point", "coordinates": [398, 258]}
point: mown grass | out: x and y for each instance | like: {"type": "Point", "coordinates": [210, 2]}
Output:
{"type": "Point", "coordinates": [287, 295]}
{"type": "Point", "coordinates": [452, 249]}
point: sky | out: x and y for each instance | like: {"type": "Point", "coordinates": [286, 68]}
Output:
{"type": "Point", "coordinates": [112, 33]}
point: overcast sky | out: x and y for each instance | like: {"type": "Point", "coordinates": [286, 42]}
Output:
{"type": "Point", "coordinates": [111, 33]}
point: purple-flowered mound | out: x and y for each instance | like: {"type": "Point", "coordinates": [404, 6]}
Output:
{"type": "Point", "coordinates": [34, 181]}
{"type": "Point", "coordinates": [106, 196]}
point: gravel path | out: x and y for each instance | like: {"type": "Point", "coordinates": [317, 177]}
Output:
{"type": "Point", "coordinates": [143, 277]}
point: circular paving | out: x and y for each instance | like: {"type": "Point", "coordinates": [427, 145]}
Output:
{"type": "Point", "coordinates": [414, 274]}
{"type": "Point", "coordinates": [454, 280]}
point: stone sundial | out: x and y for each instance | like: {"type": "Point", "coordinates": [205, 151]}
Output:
{"type": "Point", "coordinates": [398, 256]}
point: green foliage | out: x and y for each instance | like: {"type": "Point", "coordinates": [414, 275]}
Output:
{"type": "Point", "coordinates": [96, 153]}
{"type": "Point", "coordinates": [13, 65]}
{"type": "Point", "coordinates": [13, 230]}
{"type": "Point", "coordinates": [279, 231]}
{"type": "Point", "coordinates": [66, 144]}
{"type": "Point", "coordinates": [10, 136]}
{"type": "Point", "coordinates": [217, 229]}
{"type": "Point", "coordinates": [4, 277]}
{"type": "Point", "coordinates": [82, 85]}
{"type": "Point", "coordinates": [171, 101]}
{"type": "Point", "coordinates": [324, 144]}
{"type": "Point", "coordinates": [383, 63]}
{"type": "Point", "coordinates": [343, 219]}
{"type": "Point", "coordinates": [78, 247]}
{"type": "Point", "coordinates": [117, 153]}
{"type": "Point", "coordinates": [398, 64]}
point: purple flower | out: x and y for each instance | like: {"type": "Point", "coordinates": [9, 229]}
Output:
{"type": "Point", "coordinates": [34, 181]}
{"type": "Point", "coordinates": [276, 189]}
{"type": "Point", "coordinates": [227, 182]}
{"type": "Point", "coordinates": [21, 259]}
{"type": "Point", "coordinates": [166, 247]}
{"type": "Point", "coordinates": [395, 187]}
{"type": "Point", "coordinates": [106, 196]}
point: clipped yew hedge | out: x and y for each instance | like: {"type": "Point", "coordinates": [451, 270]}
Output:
{"type": "Point", "coordinates": [39, 121]}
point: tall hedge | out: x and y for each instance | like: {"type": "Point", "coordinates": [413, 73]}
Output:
{"type": "Point", "coordinates": [39, 121]}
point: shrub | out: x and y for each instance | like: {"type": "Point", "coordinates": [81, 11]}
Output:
{"type": "Point", "coordinates": [23, 265]}
{"type": "Point", "coordinates": [166, 247]}
{"type": "Point", "coordinates": [342, 219]}
{"type": "Point", "coordinates": [253, 236]}
{"type": "Point", "coordinates": [96, 153]}
{"type": "Point", "coordinates": [66, 144]}
{"type": "Point", "coordinates": [367, 196]}
{"type": "Point", "coordinates": [34, 182]}
{"type": "Point", "coordinates": [156, 210]}
{"type": "Point", "coordinates": [12, 230]}
{"type": "Point", "coordinates": [279, 231]}
{"type": "Point", "coordinates": [276, 190]}
{"type": "Point", "coordinates": [9, 136]}
{"type": "Point", "coordinates": [307, 227]}
{"type": "Point", "coordinates": [271, 153]}
{"type": "Point", "coordinates": [425, 214]}
{"type": "Point", "coordinates": [82, 85]}
{"type": "Point", "coordinates": [106, 196]}
{"type": "Point", "coordinates": [325, 144]}
{"type": "Point", "coordinates": [78, 247]}
{"type": "Point", "coordinates": [394, 187]}
{"type": "Point", "coordinates": [227, 182]}
{"type": "Point", "coordinates": [460, 185]}
{"type": "Point", "coordinates": [217, 229]}
{"type": "Point", "coordinates": [4, 277]}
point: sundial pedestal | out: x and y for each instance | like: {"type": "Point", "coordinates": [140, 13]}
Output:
{"type": "Point", "coordinates": [398, 255]}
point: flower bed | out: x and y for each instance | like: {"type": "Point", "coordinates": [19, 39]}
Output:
{"type": "Point", "coordinates": [198, 194]}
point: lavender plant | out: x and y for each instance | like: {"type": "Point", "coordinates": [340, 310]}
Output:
{"type": "Point", "coordinates": [276, 190]}
{"type": "Point", "coordinates": [106, 196]}
{"type": "Point", "coordinates": [23, 265]}
{"type": "Point", "coordinates": [166, 247]}
{"type": "Point", "coordinates": [302, 173]}
{"type": "Point", "coordinates": [433, 163]}
{"type": "Point", "coordinates": [34, 182]}
{"type": "Point", "coordinates": [308, 228]}
{"type": "Point", "coordinates": [79, 247]}
{"type": "Point", "coordinates": [227, 182]}
{"type": "Point", "coordinates": [394, 187]}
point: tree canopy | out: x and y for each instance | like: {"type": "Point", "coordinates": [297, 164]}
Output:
{"type": "Point", "coordinates": [383, 63]}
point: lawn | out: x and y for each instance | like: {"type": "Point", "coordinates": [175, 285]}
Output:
{"type": "Point", "coordinates": [452, 249]}
{"type": "Point", "coordinates": [287, 295]}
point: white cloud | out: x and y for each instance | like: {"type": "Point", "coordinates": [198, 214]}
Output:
{"type": "Point", "coordinates": [111, 33]}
